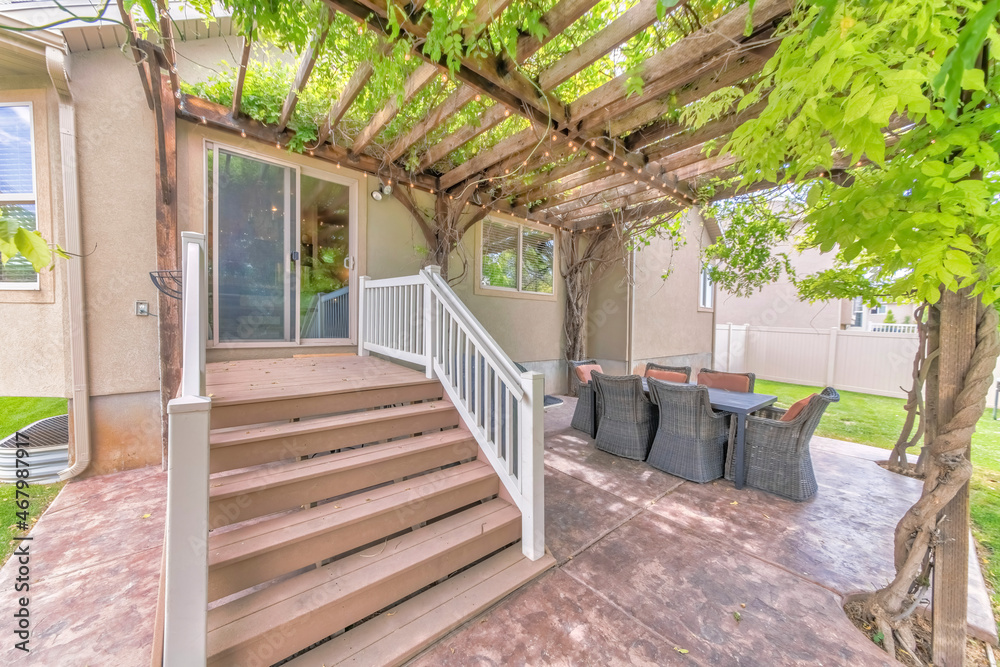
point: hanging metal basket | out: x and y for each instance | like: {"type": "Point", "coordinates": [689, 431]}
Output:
{"type": "Point", "coordinates": [168, 282]}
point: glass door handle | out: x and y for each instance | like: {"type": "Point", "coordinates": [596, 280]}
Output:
{"type": "Point", "coordinates": [348, 262]}
{"type": "Point", "coordinates": [295, 255]}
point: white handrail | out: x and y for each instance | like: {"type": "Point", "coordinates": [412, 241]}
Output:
{"type": "Point", "coordinates": [419, 319]}
{"type": "Point", "coordinates": [185, 574]}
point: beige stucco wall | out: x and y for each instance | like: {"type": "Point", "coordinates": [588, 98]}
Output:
{"type": "Point", "coordinates": [779, 305]}
{"type": "Point", "coordinates": [33, 343]}
{"type": "Point", "coordinates": [653, 319]}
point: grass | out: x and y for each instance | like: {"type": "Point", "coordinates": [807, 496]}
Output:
{"type": "Point", "coordinates": [16, 413]}
{"type": "Point", "coordinates": [40, 497]}
{"type": "Point", "coordinates": [877, 420]}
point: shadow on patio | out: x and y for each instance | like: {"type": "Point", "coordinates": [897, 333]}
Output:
{"type": "Point", "coordinates": [655, 570]}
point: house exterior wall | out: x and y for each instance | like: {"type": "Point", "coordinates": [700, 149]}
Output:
{"type": "Point", "coordinates": [32, 338]}
{"type": "Point", "coordinates": [779, 305]}
{"type": "Point", "coordinates": [652, 320]}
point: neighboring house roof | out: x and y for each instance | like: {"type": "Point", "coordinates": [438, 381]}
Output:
{"type": "Point", "coordinates": [80, 36]}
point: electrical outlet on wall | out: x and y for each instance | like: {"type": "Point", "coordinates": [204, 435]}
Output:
{"type": "Point", "coordinates": [142, 308]}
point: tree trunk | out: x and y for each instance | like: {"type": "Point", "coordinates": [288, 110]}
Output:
{"type": "Point", "coordinates": [961, 403]}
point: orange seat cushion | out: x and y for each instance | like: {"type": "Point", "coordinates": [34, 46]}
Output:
{"type": "Point", "coordinates": [796, 408]}
{"type": "Point", "coordinates": [583, 372]}
{"type": "Point", "coordinates": [669, 376]}
{"type": "Point", "coordinates": [727, 381]}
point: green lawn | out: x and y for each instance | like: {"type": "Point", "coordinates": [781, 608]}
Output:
{"type": "Point", "coordinates": [40, 496]}
{"type": "Point", "coordinates": [18, 412]}
{"type": "Point", "coordinates": [877, 420]}
{"type": "Point", "coordinates": [15, 413]}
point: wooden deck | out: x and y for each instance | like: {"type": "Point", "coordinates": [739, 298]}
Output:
{"type": "Point", "coordinates": [254, 380]}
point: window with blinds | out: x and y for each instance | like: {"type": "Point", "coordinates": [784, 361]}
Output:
{"type": "Point", "coordinates": [517, 258]}
{"type": "Point", "coordinates": [500, 255]}
{"type": "Point", "coordinates": [537, 253]}
{"type": "Point", "coordinates": [17, 188]}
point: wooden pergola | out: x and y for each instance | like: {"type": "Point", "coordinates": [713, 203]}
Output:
{"type": "Point", "coordinates": [619, 158]}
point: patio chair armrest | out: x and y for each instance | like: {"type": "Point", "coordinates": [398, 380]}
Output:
{"type": "Point", "coordinates": [770, 412]}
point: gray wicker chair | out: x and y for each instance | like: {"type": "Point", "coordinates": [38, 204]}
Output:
{"type": "Point", "coordinates": [722, 375]}
{"type": "Point", "coordinates": [691, 439]}
{"type": "Point", "coordinates": [777, 456]}
{"type": "Point", "coordinates": [583, 416]}
{"type": "Point", "coordinates": [686, 370]}
{"type": "Point", "coordinates": [626, 419]}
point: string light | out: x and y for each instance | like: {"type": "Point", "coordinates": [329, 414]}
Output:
{"type": "Point", "coordinates": [243, 133]}
{"type": "Point", "coordinates": [506, 112]}
{"type": "Point", "coordinates": [478, 97]}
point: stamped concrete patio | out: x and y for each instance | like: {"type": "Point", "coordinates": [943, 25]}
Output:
{"type": "Point", "coordinates": [652, 570]}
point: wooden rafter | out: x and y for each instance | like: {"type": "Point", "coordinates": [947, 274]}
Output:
{"type": "Point", "coordinates": [241, 76]}
{"type": "Point", "coordinates": [137, 54]}
{"type": "Point", "coordinates": [354, 86]}
{"type": "Point", "coordinates": [480, 72]}
{"type": "Point", "coordinates": [514, 144]}
{"type": "Point", "coordinates": [495, 115]}
{"type": "Point", "coordinates": [619, 31]}
{"type": "Point", "coordinates": [631, 214]}
{"type": "Point", "coordinates": [306, 64]}
{"type": "Point", "coordinates": [413, 84]}
{"type": "Point", "coordinates": [458, 98]}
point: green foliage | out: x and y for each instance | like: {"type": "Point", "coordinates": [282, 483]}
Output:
{"type": "Point", "coordinates": [890, 317]}
{"type": "Point", "coordinates": [743, 261]}
{"type": "Point", "coordinates": [15, 240]}
{"type": "Point", "coordinates": [917, 214]}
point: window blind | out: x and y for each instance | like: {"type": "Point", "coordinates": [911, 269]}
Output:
{"type": "Point", "coordinates": [15, 151]}
{"type": "Point", "coordinates": [499, 255]}
{"type": "Point", "coordinates": [537, 253]}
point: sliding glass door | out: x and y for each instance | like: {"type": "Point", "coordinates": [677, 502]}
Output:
{"type": "Point", "coordinates": [281, 263]}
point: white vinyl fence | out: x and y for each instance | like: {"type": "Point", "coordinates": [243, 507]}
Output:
{"type": "Point", "coordinates": [863, 361]}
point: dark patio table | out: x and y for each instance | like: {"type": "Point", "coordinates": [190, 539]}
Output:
{"type": "Point", "coordinates": [740, 404]}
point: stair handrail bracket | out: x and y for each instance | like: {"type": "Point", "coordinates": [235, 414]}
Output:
{"type": "Point", "coordinates": [420, 320]}
{"type": "Point", "coordinates": [185, 587]}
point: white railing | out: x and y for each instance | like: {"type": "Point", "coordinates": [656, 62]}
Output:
{"type": "Point", "coordinates": [186, 544]}
{"type": "Point", "coordinates": [419, 319]}
{"type": "Point", "coordinates": [892, 328]}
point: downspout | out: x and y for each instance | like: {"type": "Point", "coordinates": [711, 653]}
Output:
{"type": "Point", "coordinates": [56, 61]}
{"type": "Point", "coordinates": [629, 342]}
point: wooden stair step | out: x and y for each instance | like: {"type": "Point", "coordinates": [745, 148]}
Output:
{"type": "Point", "coordinates": [267, 404]}
{"type": "Point", "coordinates": [254, 554]}
{"type": "Point", "coordinates": [392, 639]}
{"type": "Point", "coordinates": [246, 495]}
{"type": "Point", "coordinates": [293, 614]}
{"type": "Point", "coordinates": [242, 448]}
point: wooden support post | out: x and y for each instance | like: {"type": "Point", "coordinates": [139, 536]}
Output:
{"type": "Point", "coordinates": [951, 556]}
{"type": "Point", "coordinates": [168, 309]}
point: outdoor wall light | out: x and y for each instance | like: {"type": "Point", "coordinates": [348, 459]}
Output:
{"type": "Point", "coordinates": [383, 190]}
{"type": "Point", "coordinates": [377, 195]}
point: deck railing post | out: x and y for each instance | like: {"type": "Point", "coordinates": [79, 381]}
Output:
{"type": "Point", "coordinates": [185, 627]}
{"type": "Point", "coordinates": [532, 468]}
{"type": "Point", "coordinates": [362, 352]}
{"type": "Point", "coordinates": [428, 311]}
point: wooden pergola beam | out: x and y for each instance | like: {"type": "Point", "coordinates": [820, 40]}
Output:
{"type": "Point", "coordinates": [678, 64]}
{"type": "Point", "coordinates": [210, 114]}
{"type": "Point", "coordinates": [306, 64]}
{"type": "Point", "coordinates": [625, 216]}
{"type": "Point", "coordinates": [619, 31]}
{"type": "Point", "coordinates": [241, 77]}
{"type": "Point", "coordinates": [413, 85]}
{"type": "Point", "coordinates": [564, 14]}
{"type": "Point", "coordinates": [359, 79]}
{"type": "Point", "coordinates": [495, 115]}
{"type": "Point", "coordinates": [482, 73]}
{"type": "Point", "coordinates": [167, 35]}
{"type": "Point", "coordinates": [513, 144]}
{"type": "Point", "coordinates": [458, 98]}
{"type": "Point", "coordinates": [620, 201]}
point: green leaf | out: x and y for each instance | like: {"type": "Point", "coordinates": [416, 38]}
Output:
{"type": "Point", "coordinates": [948, 81]}
{"type": "Point", "coordinates": [859, 103]}
{"type": "Point", "coordinates": [33, 247]}
{"type": "Point", "coordinates": [633, 86]}
{"type": "Point", "coordinates": [882, 109]}
{"type": "Point", "coordinates": [662, 6]}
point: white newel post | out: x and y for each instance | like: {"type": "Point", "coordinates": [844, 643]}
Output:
{"type": "Point", "coordinates": [429, 318]}
{"type": "Point", "coordinates": [532, 468]}
{"type": "Point", "coordinates": [831, 358]}
{"type": "Point", "coordinates": [185, 626]}
{"type": "Point", "coordinates": [362, 352]}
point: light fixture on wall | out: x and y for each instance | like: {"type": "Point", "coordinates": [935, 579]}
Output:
{"type": "Point", "coordinates": [383, 190]}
